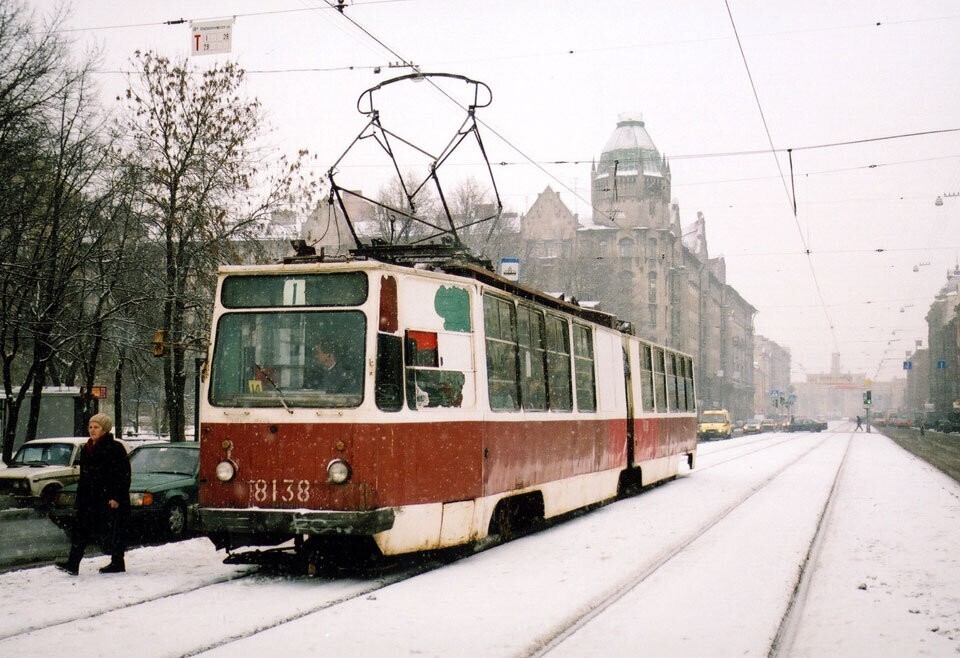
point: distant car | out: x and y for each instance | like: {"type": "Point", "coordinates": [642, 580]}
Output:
{"type": "Point", "coordinates": [714, 424]}
{"type": "Point", "coordinates": [163, 486]}
{"type": "Point", "coordinates": [752, 427]}
{"type": "Point", "coordinates": [804, 425]}
{"type": "Point", "coordinates": [949, 423]}
{"type": "Point", "coordinates": [769, 425]}
{"type": "Point", "coordinates": [40, 469]}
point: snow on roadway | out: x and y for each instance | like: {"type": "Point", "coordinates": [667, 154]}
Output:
{"type": "Point", "coordinates": [888, 576]}
{"type": "Point", "coordinates": [893, 529]}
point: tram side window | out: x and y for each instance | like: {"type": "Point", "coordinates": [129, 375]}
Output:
{"type": "Point", "coordinates": [670, 368]}
{"type": "Point", "coordinates": [681, 387]}
{"type": "Point", "coordinates": [583, 367]}
{"type": "Point", "coordinates": [559, 386]}
{"type": "Point", "coordinates": [430, 381]}
{"type": "Point", "coordinates": [646, 378]}
{"type": "Point", "coordinates": [533, 380]}
{"type": "Point", "coordinates": [688, 384]}
{"type": "Point", "coordinates": [659, 379]}
{"type": "Point", "coordinates": [499, 319]}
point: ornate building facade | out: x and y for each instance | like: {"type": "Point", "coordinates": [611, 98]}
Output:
{"type": "Point", "coordinates": [771, 377]}
{"type": "Point", "coordinates": [943, 326]}
{"type": "Point", "coordinates": [632, 258]}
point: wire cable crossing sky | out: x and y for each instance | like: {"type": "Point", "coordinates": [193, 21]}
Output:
{"type": "Point", "coordinates": [863, 97]}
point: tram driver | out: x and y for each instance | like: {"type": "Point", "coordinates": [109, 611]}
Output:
{"type": "Point", "coordinates": [330, 370]}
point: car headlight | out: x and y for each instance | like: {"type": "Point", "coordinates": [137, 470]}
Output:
{"type": "Point", "coordinates": [338, 471]}
{"type": "Point", "coordinates": [141, 499]}
{"type": "Point", "coordinates": [22, 486]}
{"type": "Point", "coordinates": [226, 470]}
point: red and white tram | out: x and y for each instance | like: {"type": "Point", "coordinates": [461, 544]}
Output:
{"type": "Point", "coordinates": [422, 407]}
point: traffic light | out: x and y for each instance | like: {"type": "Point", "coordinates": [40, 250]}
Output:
{"type": "Point", "coordinates": [159, 342]}
{"type": "Point", "coordinates": [867, 399]}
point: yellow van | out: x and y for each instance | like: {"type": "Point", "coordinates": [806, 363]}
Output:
{"type": "Point", "coordinates": [714, 424]}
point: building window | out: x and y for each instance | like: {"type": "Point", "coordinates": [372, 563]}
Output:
{"type": "Point", "coordinates": [652, 287]}
{"type": "Point", "coordinates": [626, 248]}
{"type": "Point", "coordinates": [549, 249]}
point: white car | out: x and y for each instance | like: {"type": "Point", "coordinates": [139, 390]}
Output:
{"type": "Point", "coordinates": [41, 468]}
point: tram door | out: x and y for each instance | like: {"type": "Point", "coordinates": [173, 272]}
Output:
{"type": "Point", "coordinates": [631, 364]}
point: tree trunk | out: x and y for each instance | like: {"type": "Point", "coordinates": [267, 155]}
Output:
{"type": "Point", "coordinates": [118, 395]}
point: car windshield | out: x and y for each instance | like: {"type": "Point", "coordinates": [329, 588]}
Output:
{"type": "Point", "coordinates": [713, 418]}
{"type": "Point", "coordinates": [164, 459]}
{"type": "Point", "coordinates": [43, 454]}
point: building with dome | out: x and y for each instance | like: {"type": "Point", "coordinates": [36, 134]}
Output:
{"type": "Point", "coordinates": [632, 258]}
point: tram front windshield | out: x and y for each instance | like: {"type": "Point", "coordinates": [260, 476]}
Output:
{"type": "Point", "coordinates": [289, 359]}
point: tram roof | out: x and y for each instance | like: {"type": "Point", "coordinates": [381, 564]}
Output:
{"type": "Point", "coordinates": [453, 261]}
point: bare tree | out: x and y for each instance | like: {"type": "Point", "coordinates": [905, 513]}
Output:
{"type": "Point", "coordinates": [394, 218]}
{"type": "Point", "coordinates": [45, 141]}
{"type": "Point", "coordinates": [193, 136]}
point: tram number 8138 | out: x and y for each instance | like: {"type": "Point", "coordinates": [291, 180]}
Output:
{"type": "Point", "coordinates": [262, 491]}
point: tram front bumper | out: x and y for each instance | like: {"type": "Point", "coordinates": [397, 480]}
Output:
{"type": "Point", "coordinates": [268, 526]}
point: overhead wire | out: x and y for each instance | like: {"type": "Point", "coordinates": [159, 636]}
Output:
{"type": "Point", "coordinates": [249, 14]}
{"type": "Point", "coordinates": [416, 69]}
{"type": "Point", "coordinates": [539, 165]}
{"type": "Point", "coordinates": [790, 197]}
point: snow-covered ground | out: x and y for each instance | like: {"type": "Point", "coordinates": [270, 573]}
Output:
{"type": "Point", "coordinates": [702, 566]}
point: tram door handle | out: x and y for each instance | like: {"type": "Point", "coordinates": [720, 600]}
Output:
{"type": "Point", "coordinates": [486, 453]}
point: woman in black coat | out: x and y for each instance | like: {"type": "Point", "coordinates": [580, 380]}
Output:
{"type": "Point", "coordinates": [103, 498]}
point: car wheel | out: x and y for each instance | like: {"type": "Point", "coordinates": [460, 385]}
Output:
{"type": "Point", "coordinates": [48, 496]}
{"type": "Point", "coordinates": [175, 520]}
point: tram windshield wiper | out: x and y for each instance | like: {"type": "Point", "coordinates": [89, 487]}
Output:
{"type": "Point", "coordinates": [263, 373]}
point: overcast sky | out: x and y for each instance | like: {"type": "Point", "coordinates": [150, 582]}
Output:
{"type": "Point", "coordinates": [825, 74]}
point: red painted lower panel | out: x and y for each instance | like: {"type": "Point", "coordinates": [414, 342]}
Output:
{"type": "Point", "coordinates": [660, 437]}
{"type": "Point", "coordinates": [284, 466]}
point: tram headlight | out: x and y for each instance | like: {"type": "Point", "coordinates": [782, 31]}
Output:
{"type": "Point", "coordinates": [226, 470]}
{"type": "Point", "coordinates": [338, 471]}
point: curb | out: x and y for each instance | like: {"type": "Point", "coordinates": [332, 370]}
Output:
{"type": "Point", "coordinates": [19, 513]}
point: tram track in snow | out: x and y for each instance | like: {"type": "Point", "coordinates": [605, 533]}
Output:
{"type": "Point", "coordinates": [126, 605]}
{"type": "Point", "coordinates": [336, 589]}
{"type": "Point", "coordinates": [790, 623]}
{"type": "Point", "coordinates": [546, 644]}
{"type": "Point", "coordinates": [327, 590]}
{"type": "Point", "coordinates": [746, 449]}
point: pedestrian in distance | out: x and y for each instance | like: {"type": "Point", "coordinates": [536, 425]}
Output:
{"type": "Point", "coordinates": [859, 426]}
{"type": "Point", "coordinates": [103, 498]}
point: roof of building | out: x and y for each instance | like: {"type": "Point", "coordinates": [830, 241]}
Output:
{"type": "Point", "coordinates": [632, 148]}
